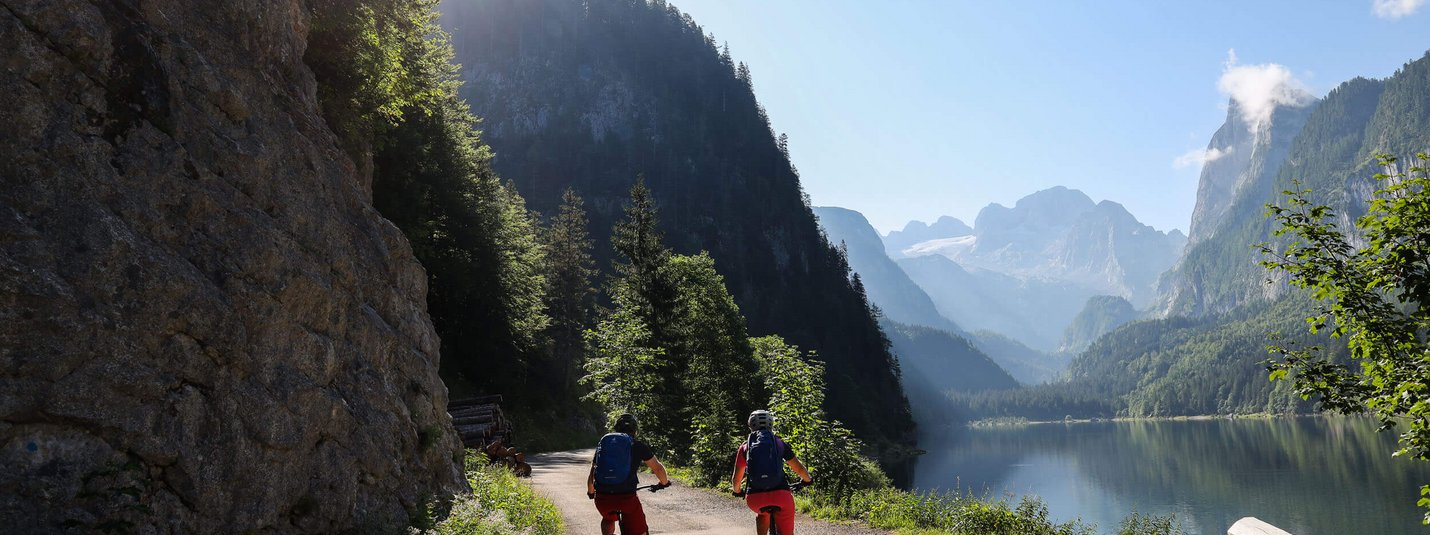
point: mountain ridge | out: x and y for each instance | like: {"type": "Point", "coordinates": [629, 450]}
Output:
{"type": "Point", "coordinates": [591, 96]}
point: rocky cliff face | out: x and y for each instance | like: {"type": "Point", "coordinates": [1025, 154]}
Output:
{"type": "Point", "coordinates": [1248, 159]}
{"type": "Point", "coordinates": [1060, 234]}
{"type": "Point", "coordinates": [206, 326]}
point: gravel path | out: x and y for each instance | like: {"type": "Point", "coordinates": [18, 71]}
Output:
{"type": "Point", "coordinates": [678, 509]}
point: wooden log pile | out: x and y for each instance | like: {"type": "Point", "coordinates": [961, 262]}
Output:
{"type": "Point", "coordinates": [483, 427]}
{"type": "Point", "coordinates": [479, 421]}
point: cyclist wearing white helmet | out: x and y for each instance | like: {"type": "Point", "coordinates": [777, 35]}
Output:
{"type": "Point", "coordinates": [762, 458]}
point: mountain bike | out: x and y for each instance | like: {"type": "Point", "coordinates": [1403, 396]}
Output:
{"type": "Point", "coordinates": [769, 511]}
{"type": "Point", "coordinates": [617, 515]}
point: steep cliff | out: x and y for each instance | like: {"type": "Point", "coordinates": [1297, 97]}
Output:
{"type": "Point", "coordinates": [207, 327]}
{"type": "Point", "coordinates": [1331, 152]}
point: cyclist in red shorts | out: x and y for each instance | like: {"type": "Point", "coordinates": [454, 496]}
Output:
{"type": "Point", "coordinates": [762, 458]}
{"type": "Point", "coordinates": [612, 481]}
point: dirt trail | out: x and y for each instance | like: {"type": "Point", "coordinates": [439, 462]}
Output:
{"type": "Point", "coordinates": [678, 509]}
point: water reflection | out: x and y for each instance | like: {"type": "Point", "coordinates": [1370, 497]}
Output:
{"type": "Point", "coordinates": [1309, 476]}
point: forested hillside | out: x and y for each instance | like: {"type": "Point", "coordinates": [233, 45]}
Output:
{"type": "Point", "coordinates": [936, 363]}
{"type": "Point", "coordinates": [1168, 367]}
{"type": "Point", "coordinates": [1100, 315]}
{"type": "Point", "coordinates": [592, 95]}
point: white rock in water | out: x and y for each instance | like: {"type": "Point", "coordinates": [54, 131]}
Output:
{"type": "Point", "coordinates": [1253, 526]}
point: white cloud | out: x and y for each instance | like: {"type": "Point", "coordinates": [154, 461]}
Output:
{"type": "Point", "coordinates": [1259, 89]}
{"type": "Point", "coordinates": [1199, 157]}
{"type": "Point", "coordinates": [1394, 9]}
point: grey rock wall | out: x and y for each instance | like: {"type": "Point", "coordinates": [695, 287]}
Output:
{"type": "Point", "coordinates": [204, 325]}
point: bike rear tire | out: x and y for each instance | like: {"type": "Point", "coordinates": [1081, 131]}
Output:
{"type": "Point", "coordinates": [774, 527]}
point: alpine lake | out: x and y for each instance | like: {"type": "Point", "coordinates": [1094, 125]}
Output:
{"type": "Point", "coordinates": [1323, 475]}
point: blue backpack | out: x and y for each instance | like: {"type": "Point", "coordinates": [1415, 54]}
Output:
{"type": "Point", "coordinates": [613, 461]}
{"type": "Point", "coordinates": [764, 461]}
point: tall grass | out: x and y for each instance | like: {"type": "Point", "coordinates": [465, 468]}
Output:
{"type": "Point", "coordinates": [960, 514]}
{"type": "Point", "coordinates": [500, 504]}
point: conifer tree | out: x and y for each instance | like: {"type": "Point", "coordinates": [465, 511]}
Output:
{"type": "Point", "coordinates": [570, 292]}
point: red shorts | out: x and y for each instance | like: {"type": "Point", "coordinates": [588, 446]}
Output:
{"type": "Point", "coordinates": [632, 516]}
{"type": "Point", "coordinates": [779, 498]}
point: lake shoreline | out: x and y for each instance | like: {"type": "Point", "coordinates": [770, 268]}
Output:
{"type": "Point", "coordinates": [1304, 473]}
{"type": "Point", "coordinates": [1017, 422]}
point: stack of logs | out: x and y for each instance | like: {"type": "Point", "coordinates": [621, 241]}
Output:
{"type": "Point", "coordinates": [479, 421]}
{"type": "Point", "coordinates": [483, 427]}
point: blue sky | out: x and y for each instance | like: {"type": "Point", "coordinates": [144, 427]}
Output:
{"type": "Point", "coordinates": [911, 110]}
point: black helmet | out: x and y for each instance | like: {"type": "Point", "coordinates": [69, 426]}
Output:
{"type": "Point", "coordinates": [761, 419]}
{"type": "Point", "coordinates": [626, 423]}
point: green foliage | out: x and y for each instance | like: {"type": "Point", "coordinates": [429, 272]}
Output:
{"type": "Point", "coordinates": [592, 94]}
{"type": "Point", "coordinates": [1100, 315]}
{"type": "Point", "coordinates": [1140, 524]}
{"type": "Point", "coordinates": [957, 513]}
{"type": "Point", "coordinates": [376, 61]}
{"type": "Point", "coordinates": [570, 292]}
{"type": "Point", "coordinates": [1372, 288]}
{"type": "Point", "coordinates": [718, 381]}
{"type": "Point", "coordinates": [624, 368]}
{"type": "Point", "coordinates": [935, 362]}
{"type": "Point", "coordinates": [1175, 366]}
{"type": "Point", "coordinates": [673, 350]}
{"type": "Point", "coordinates": [828, 450]}
{"type": "Point", "coordinates": [952, 513]}
{"type": "Point", "coordinates": [500, 504]}
{"type": "Point", "coordinates": [388, 87]}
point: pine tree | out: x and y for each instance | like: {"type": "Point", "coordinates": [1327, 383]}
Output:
{"type": "Point", "coordinates": [570, 292]}
{"type": "Point", "coordinates": [638, 242]}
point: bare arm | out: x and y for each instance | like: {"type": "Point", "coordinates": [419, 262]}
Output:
{"type": "Point", "coordinates": [799, 470]}
{"type": "Point", "coordinates": [591, 478]}
{"type": "Point", "coordinates": [737, 478]}
{"type": "Point", "coordinates": [658, 469]}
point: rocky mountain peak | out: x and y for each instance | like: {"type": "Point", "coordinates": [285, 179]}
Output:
{"type": "Point", "coordinates": [1243, 158]}
{"type": "Point", "coordinates": [918, 231]}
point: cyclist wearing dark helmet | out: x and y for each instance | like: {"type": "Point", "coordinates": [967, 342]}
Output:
{"type": "Point", "coordinates": [612, 481]}
{"type": "Point", "coordinates": [762, 458]}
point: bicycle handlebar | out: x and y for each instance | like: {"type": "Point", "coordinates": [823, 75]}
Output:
{"type": "Point", "coordinates": [653, 487]}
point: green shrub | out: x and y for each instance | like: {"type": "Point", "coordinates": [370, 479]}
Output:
{"type": "Point", "coordinates": [500, 503]}
{"type": "Point", "coordinates": [1140, 524]}
{"type": "Point", "coordinates": [830, 451]}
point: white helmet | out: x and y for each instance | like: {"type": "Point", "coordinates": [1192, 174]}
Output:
{"type": "Point", "coordinates": [761, 419]}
